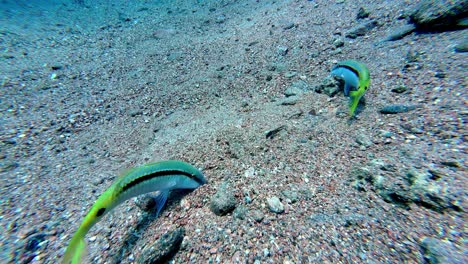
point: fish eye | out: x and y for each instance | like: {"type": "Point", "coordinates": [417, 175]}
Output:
{"type": "Point", "coordinates": [100, 212]}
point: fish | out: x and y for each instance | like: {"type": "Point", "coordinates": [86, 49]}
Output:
{"type": "Point", "coordinates": [357, 80]}
{"type": "Point", "coordinates": [162, 176]}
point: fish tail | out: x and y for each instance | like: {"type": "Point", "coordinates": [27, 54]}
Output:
{"type": "Point", "coordinates": [75, 251]}
{"type": "Point", "coordinates": [353, 105]}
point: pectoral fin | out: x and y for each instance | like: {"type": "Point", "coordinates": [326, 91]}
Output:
{"type": "Point", "coordinates": [161, 199]}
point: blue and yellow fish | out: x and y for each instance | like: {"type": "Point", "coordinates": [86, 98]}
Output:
{"type": "Point", "coordinates": [161, 176]}
{"type": "Point", "coordinates": [357, 79]}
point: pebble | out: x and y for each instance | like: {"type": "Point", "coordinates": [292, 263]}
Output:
{"type": "Point", "coordinates": [257, 215]}
{"type": "Point", "coordinates": [282, 50]}
{"type": "Point", "coordinates": [440, 251]}
{"type": "Point", "coordinates": [275, 205]}
{"type": "Point", "coordinates": [292, 100]}
{"type": "Point", "coordinates": [364, 140]}
{"type": "Point", "coordinates": [163, 249]}
{"type": "Point", "coordinates": [223, 201]}
{"type": "Point", "coordinates": [401, 32]}
{"type": "Point", "coordinates": [461, 47]}
{"type": "Point", "coordinates": [397, 108]}
{"type": "Point", "coordinates": [362, 29]}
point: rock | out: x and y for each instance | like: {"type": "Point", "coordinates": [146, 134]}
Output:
{"type": "Point", "coordinates": [288, 25]}
{"type": "Point", "coordinates": [273, 133]}
{"type": "Point", "coordinates": [330, 86]}
{"type": "Point", "coordinates": [361, 29]}
{"type": "Point", "coordinates": [292, 91]}
{"type": "Point", "coordinates": [364, 140]}
{"type": "Point", "coordinates": [145, 202]}
{"type": "Point", "coordinates": [291, 196]}
{"type": "Point", "coordinates": [223, 201]}
{"type": "Point", "coordinates": [461, 47]}
{"type": "Point", "coordinates": [275, 205]}
{"type": "Point", "coordinates": [362, 13]}
{"type": "Point", "coordinates": [7, 165]}
{"type": "Point", "coordinates": [220, 19]}
{"type": "Point", "coordinates": [282, 50]}
{"type": "Point", "coordinates": [163, 249]}
{"type": "Point", "coordinates": [240, 212]}
{"type": "Point", "coordinates": [401, 32]}
{"type": "Point", "coordinates": [400, 89]}
{"type": "Point", "coordinates": [439, 14]}
{"type": "Point", "coordinates": [337, 43]}
{"type": "Point", "coordinates": [258, 216]}
{"type": "Point", "coordinates": [397, 108]}
{"type": "Point", "coordinates": [292, 100]}
{"type": "Point", "coordinates": [437, 251]}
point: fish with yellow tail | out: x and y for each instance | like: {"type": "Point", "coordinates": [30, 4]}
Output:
{"type": "Point", "coordinates": [161, 176]}
{"type": "Point", "coordinates": [356, 78]}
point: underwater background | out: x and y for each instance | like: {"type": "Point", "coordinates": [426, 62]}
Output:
{"type": "Point", "coordinates": [243, 91]}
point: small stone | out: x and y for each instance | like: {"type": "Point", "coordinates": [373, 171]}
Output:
{"type": "Point", "coordinates": [440, 251]}
{"type": "Point", "coordinates": [461, 47]}
{"type": "Point", "coordinates": [400, 89]}
{"type": "Point", "coordinates": [223, 201]}
{"type": "Point", "coordinates": [364, 140]}
{"type": "Point", "coordinates": [275, 205]}
{"type": "Point", "coordinates": [292, 100]}
{"type": "Point", "coordinates": [400, 32]}
{"type": "Point", "coordinates": [362, 13]}
{"type": "Point", "coordinates": [338, 43]}
{"type": "Point", "coordinates": [288, 25]}
{"type": "Point", "coordinates": [258, 216]}
{"type": "Point", "coordinates": [330, 86]}
{"type": "Point", "coordinates": [397, 108]}
{"type": "Point", "coordinates": [240, 212]}
{"type": "Point", "coordinates": [282, 50]}
{"type": "Point", "coordinates": [362, 29]}
{"type": "Point", "coordinates": [163, 249]}
{"type": "Point", "coordinates": [7, 165]}
{"type": "Point", "coordinates": [145, 202]}
{"type": "Point", "coordinates": [273, 133]}
{"type": "Point", "coordinates": [292, 196]}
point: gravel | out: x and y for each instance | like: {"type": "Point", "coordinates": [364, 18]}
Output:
{"type": "Point", "coordinates": [90, 90]}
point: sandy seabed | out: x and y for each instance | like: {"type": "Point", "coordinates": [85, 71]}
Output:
{"type": "Point", "coordinates": [90, 90]}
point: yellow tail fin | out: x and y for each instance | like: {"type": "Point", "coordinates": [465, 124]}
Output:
{"type": "Point", "coordinates": [76, 252]}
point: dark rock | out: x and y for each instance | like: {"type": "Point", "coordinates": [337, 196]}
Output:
{"type": "Point", "coordinates": [364, 140]}
{"type": "Point", "coordinates": [273, 133]}
{"type": "Point", "coordinates": [291, 196]}
{"type": "Point", "coordinates": [296, 88]}
{"type": "Point", "coordinates": [401, 32]}
{"type": "Point", "coordinates": [397, 108]}
{"type": "Point", "coordinates": [223, 201]}
{"type": "Point", "coordinates": [288, 25]}
{"type": "Point", "coordinates": [292, 91]}
{"type": "Point", "coordinates": [400, 89]}
{"type": "Point", "coordinates": [362, 29]}
{"type": "Point", "coordinates": [362, 13]}
{"type": "Point", "coordinates": [292, 100]}
{"type": "Point", "coordinates": [437, 251]}
{"type": "Point", "coordinates": [163, 249]}
{"type": "Point", "coordinates": [282, 50]}
{"type": "Point", "coordinates": [451, 163]}
{"type": "Point", "coordinates": [258, 216]}
{"type": "Point", "coordinates": [7, 165]}
{"type": "Point", "coordinates": [240, 212]}
{"type": "Point", "coordinates": [461, 47]}
{"type": "Point", "coordinates": [439, 14]}
{"type": "Point", "coordinates": [146, 202]}
{"type": "Point", "coordinates": [329, 86]}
